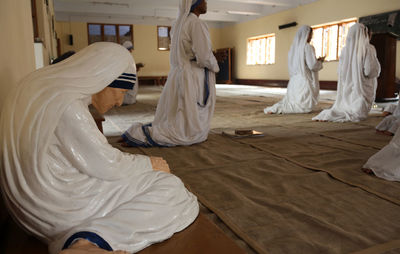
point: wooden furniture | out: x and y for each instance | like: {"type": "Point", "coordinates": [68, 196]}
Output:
{"type": "Point", "coordinates": [385, 28]}
{"type": "Point", "coordinates": [224, 58]}
{"type": "Point", "coordinates": [385, 45]}
{"type": "Point", "coordinates": [153, 80]}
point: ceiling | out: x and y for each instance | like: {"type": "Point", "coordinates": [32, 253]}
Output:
{"type": "Point", "coordinates": [162, 12]}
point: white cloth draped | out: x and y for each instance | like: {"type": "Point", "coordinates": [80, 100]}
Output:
{"type": "Point", "coordinates": [391, 122]}
{"type": "Point", "coordinates": [59, 175]}
{"type": "Point", "coordinates": [358, 72]}
{"type": "Point", "coordinates": [130, 95]}
{"type": "Point", "coordinates": [303, 88]}
{"type": "Point", "coordinates": [386, 163]}
{"type": "Point", "coordinates": [182, 116]}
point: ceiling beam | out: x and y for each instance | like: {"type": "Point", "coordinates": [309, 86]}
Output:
{"type": "Point", "coordinates": [220, 11]}
{"type": "Point", "coordinates": [216, 12]}
{"type": "Point", "coordinates": [259, 2]}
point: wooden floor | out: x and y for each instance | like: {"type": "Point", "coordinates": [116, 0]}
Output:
{"type": "Point", "coordinates": [202, 236]}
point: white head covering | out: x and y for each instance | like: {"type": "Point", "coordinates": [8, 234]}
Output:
{"type": "Point", "coordinates": [33, 110]}
{"type": "Point", "coordinates": [354, 51]}
{"type": "Point", "coordinates": [195, 3]}
{"type": "Point", "coordinates": [177, 49]}
{"type": "Point", "coordinates": [128, 45]}
{"type": "Point", "coordinates": [352, 56]}
{"type": "Point", "coordinates": [296, 54]}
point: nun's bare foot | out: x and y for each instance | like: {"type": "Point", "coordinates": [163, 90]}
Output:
{"type": "Point", "coordinates": [387, 133]}
{"type": "Point", "coordinates": [368, 171]}
{"type": "Point", "coordinates": [159, 164]}
{"type": "Point", "coordinates": [83, 246]}
{"type": "Point", "coordinates": [124, 144]}
{"type": "Point", "coordinates": [269, 113]}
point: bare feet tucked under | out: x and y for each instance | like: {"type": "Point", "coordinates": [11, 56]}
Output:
{"type": "Point", "coordinates": [159, 164]}
{"type": "Point", "coordinates": [385, 113]}
{"type": "Point", "coordinates": [368, 171]}
{"type": "Point", "coordinates": [388, 133]}
{"type": "Point", "coordinates": [83, 246]}
{"type": "Point", "coordinates": [122, 142]}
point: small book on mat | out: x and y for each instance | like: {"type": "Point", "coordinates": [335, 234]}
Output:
{"type": "Point", "coordinates": [242, 133]}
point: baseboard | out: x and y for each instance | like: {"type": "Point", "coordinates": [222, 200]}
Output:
{"type": "Point", "coordinates": [325, 85]}
{"type": "Point", "coordinates": [152, 80]}
{"type": "Point", "coordinates": [262, 82]}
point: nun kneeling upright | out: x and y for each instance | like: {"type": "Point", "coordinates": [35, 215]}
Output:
{"type": "Point", "coordinates": [303, 89]}
{"type": "Point", "coordinates": [358, 72]}
{"type": "Point", "coordinates": [187, 102]}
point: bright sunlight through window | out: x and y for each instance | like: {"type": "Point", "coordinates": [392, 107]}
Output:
{"type": "Point", "coordinates": [328, 40]}
{"type": "Point", "coordinates": [261, 50]}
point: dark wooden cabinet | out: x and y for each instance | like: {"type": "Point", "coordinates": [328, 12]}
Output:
{"type": "Point", "coordinates": [385, 45]}
{"type": "Point", "coordinates": [224, 58]}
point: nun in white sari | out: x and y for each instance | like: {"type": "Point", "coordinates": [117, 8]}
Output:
{"type": "Point", "coordinates": [358, 72]}
{"type": "Point", "coordinates": [386, 163]}
{"type": "Point", "coordinates": [391, 122]}
{"type": "Point", "coordinates": [60, 178]}
{"type": "Point", "coordinates": [187, 102]}
{"type": "Point", "coordinates": [303, 89]}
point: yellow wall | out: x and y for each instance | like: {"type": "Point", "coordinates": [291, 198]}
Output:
{"type": "Point", "coordinates": [78, 30]}
{"type": "Point", "coordinates": [145, 45]}
{"type": "Point", "coordinates": [216, 38]}
{"type": "Point", "coordinates": [320, 12]}
{"type": "Point", "coordinates": [156, 62]}
{"type": "Point", "coordinates": [235, 36]}
{"type": "Point", "coordinates": [16, 45]}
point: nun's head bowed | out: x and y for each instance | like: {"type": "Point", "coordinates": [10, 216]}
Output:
{"type": "Point", "coordinates": [195, 3]}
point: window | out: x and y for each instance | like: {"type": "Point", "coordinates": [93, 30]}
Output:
{"type": "Point", "coordinates": [110, 32]}
{"type": "Point", "coordinates": [261, 50]}
{"type": "Point", "coordinates": [328, 40]}
{"type": "Point", "coordinates": [163, 37]}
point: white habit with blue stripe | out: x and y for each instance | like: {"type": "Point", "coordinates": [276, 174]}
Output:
{"type": "Point", "coordinates": [59, 175]}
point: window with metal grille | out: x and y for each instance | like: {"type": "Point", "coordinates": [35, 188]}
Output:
{"type": "Point", "coordinates": [163, 37]}
{"type": "Point", "coordinates": [261, 49]}
{"type": "Point", "coordinates": [110, 32]}
{"type": "Point", "coordinates": [329, 39]}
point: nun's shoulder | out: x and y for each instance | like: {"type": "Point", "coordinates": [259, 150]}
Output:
{"type": "Point", "coordinates": [371, 48]}
{"type": "Point", "coordinates": [309, 48]}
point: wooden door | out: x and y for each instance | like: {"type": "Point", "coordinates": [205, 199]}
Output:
{"type": "Point", "coordinates": [385, 45]}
